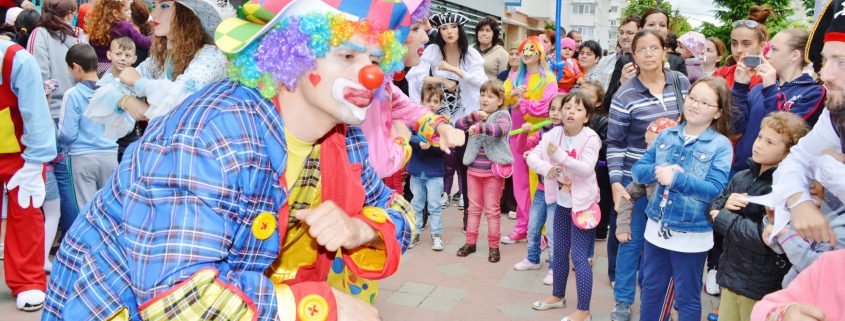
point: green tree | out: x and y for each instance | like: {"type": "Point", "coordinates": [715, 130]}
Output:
{"type": "Point", "coordinates": [678, 24]}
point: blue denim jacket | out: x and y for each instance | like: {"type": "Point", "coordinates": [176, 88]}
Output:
{"type": "Point", "coordinates": [706, 162]}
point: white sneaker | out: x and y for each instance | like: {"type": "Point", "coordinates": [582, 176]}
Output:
{"type": "Point", "coordinates": [711, 286]}
{"type": "Point", "coordinates": [512, 215]}
{"type": "Point", "coordinates": [549, 279]}
{"type": "Point", "coordinates": [526, 265]}
{"type": "Point", "coordinates": [461, 203]}
{"type": "Point", "coordinates": [444, 200]}
{"type": "Point", "coordinates": [30, 300]}
{"type": "Point", "coordinates": [436, 243]}
{"type": "Point", "coordinates": [2, 247]}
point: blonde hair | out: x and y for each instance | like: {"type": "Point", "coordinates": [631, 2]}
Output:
{"type": "Point", "coordinates": [787, 124]}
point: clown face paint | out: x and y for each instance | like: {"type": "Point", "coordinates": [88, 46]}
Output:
{"type": "Point", "coordinates": [530, 54]}
{"type": "Point", "coordinates": [162, 16]}
{"type": "Point", "coordinates": [417, 38]}
{"type": "Point", "coordinates": [339, 73]}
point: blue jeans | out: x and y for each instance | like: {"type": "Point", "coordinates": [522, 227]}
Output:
{"type": "Point", "coordinates": [662, 266]}
{"type": "Point", "coordinates": [427, 192]}
{"type": "Point", "coordinates": [539, 214]}
{"type": "Point", "coordinates": [629, 255]}
{"type": "Point", "coordinates": [67, 199]}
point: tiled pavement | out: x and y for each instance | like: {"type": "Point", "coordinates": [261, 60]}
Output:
{"type": "Point", "coordinates": [441, 286]}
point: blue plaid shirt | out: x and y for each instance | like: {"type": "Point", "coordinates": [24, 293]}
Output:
{"type": "Point", "coordinates": [185, 200]}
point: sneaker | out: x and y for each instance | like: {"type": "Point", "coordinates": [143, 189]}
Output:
{"type": "Point", "coordinates": [621, 312]}
{"type": "Point", "coordinates": [549, 279]}
{"type": "Point", "coordinates": [414, 241]}
{"type": "Point", "coordinates": [436, 243]}
{"type": "Point", "coordinates": [513, 238]}
{"type": "Point", "coordinates": [526, 265]}
{"type": "Point", "coordinates": [461, 203]}
{"type": "Point", "coordinates": [30, 300]}
{"type": "Point", "coordinates": [512, 215]}
{"type": "Point", "coordinates": [710, 286]}
{"type": "Point", "coordinates": [2, 247]}
{"type": "Point", "coordinates": [457, 196]}
{"type": "Point", "coordinates": [444, 200]}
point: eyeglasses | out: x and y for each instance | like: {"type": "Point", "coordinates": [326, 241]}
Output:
{"type": "Point", "coordinates": [748, 23]}
{"type": "Point", "coordinates": [698, 102]}
{"type": "Point", "coordinates": [650, 50]}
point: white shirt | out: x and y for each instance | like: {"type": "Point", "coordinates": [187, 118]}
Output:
{"type": "Point", "coordinates": [795, 172]}
{"type": "Point", "coordinates": [684, 242]}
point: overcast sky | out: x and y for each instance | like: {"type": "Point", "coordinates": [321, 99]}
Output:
{"type": "Point", "coordinates": [696, 11]}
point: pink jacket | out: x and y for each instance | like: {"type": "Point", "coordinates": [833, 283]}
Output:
{"type": "Point", "coordinates": [585, 189]}
{"type": "Point", "coordinates": [387, 155]}
{"type": "Point", "coordinates": [822, 284]}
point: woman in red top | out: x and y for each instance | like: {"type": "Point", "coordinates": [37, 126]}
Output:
{"type": "Point", "coordinates": [748, 37]}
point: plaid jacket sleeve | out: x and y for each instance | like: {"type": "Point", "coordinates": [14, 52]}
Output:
{"type": "Point", "coordinates": [379, 195]}
{"type": "Point", "coordinates": [199, 193]}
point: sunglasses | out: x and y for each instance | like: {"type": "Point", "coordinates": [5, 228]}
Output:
{"type": "Point", "coordinates": [748, 23]}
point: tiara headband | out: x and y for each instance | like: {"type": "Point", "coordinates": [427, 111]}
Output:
{"type": "Point", "coordinates": [440, 19]}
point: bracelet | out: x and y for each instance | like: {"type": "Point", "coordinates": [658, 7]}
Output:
{"type": "Point", "coordinates": [121, 102]}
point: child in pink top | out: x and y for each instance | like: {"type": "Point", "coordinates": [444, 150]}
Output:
{"type": "Point", "coordinates": [816, 294]}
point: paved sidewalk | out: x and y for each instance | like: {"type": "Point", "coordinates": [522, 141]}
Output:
{"type": "Point", "coordinates": [443, 287]}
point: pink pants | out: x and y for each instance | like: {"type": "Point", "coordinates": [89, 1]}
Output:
{"type": "Point", "coordinates": [484, 195]}
{"type": "Point", "coordinates": [521, 184]}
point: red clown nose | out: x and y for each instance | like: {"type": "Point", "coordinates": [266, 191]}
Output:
{"type": "Point", "coordinates": [371, 77]}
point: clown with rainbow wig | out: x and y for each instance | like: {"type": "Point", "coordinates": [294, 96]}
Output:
{"type": "Point", "coordinates": [528, 92]}
{"type": "Point", "coordinates": [234, 204]}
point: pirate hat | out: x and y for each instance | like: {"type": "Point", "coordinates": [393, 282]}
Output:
{"type": "Point", "coordinates": [259, 16]}
{"type": "Point", "coordinates": [829, 26]}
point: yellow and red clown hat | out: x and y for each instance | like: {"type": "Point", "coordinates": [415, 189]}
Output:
{"type": "Point", "coordinates": [257, 17]}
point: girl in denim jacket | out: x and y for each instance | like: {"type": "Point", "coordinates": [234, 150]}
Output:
{"type": "Point", "coordinates": [690, 163]}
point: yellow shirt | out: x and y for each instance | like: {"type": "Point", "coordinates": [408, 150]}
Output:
{"type": "Point", "coordinates": [298, 151]}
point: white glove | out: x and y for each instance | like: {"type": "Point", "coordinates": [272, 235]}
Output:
{"type": "Point", "coordinates": [31, 184]}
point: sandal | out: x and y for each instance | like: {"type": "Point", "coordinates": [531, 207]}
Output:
{"type": "Point", "coordinates": [494, 255]}
{"type": "Point", "coordinates": [465, 250]}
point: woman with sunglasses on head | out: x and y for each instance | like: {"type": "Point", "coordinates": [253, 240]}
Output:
{"type": "Point", "coordinates": [748, 37]}
{"type": "Point", "coordinates": [650, 95]}
{"type": "Point", "coordinates": [785, 87]}
{"type": "Point", "coordinates": [459, 71]}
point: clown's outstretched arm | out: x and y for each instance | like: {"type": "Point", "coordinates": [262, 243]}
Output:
{"type": "Point", "coordinates": [390, 215]}
{"type": "Point", "coordinates": [417, 117]}
{"type": "Point", "coordinates": [196, 201]}
{"type": "Point", "coordinates": [39, 133]}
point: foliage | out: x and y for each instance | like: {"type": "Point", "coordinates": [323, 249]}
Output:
{"type": "Point", "coordinates": [678, 24]}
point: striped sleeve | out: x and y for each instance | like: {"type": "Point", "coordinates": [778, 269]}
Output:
{"type": "Point", "coordinates": [617, 128]}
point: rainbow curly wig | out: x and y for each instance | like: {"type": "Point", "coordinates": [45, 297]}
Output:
{"type": "Point", "coordinates": [522, 75]}
{"type": "Point", "coordinates": [291, 49]}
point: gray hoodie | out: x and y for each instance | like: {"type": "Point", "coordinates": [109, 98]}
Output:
{"type": "Point", "coordinates": [802, 253]}
{"type": "Point", "coordinates": [50, 54]}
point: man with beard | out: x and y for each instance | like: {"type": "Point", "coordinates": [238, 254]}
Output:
{"type": "Point", "coordinates": [824, 144]}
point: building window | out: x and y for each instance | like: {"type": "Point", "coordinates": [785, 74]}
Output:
{"type": "Point", "coordinates": [614, 9]}
{"type": "Point", "coordinates": [586, 32]}
{"type": "Point", "coordinates": [586, 9]}
{"type": "Point", "coordinates": [613, 23]}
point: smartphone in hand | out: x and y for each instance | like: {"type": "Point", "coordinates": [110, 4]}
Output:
{"type": "Point", "coordinates": [752, 61]}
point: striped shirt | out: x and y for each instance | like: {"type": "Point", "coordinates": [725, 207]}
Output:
{"type": "Point", "coordinates": [631, 110]}
{"type": "Point", "coordinates": [482, 165]}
